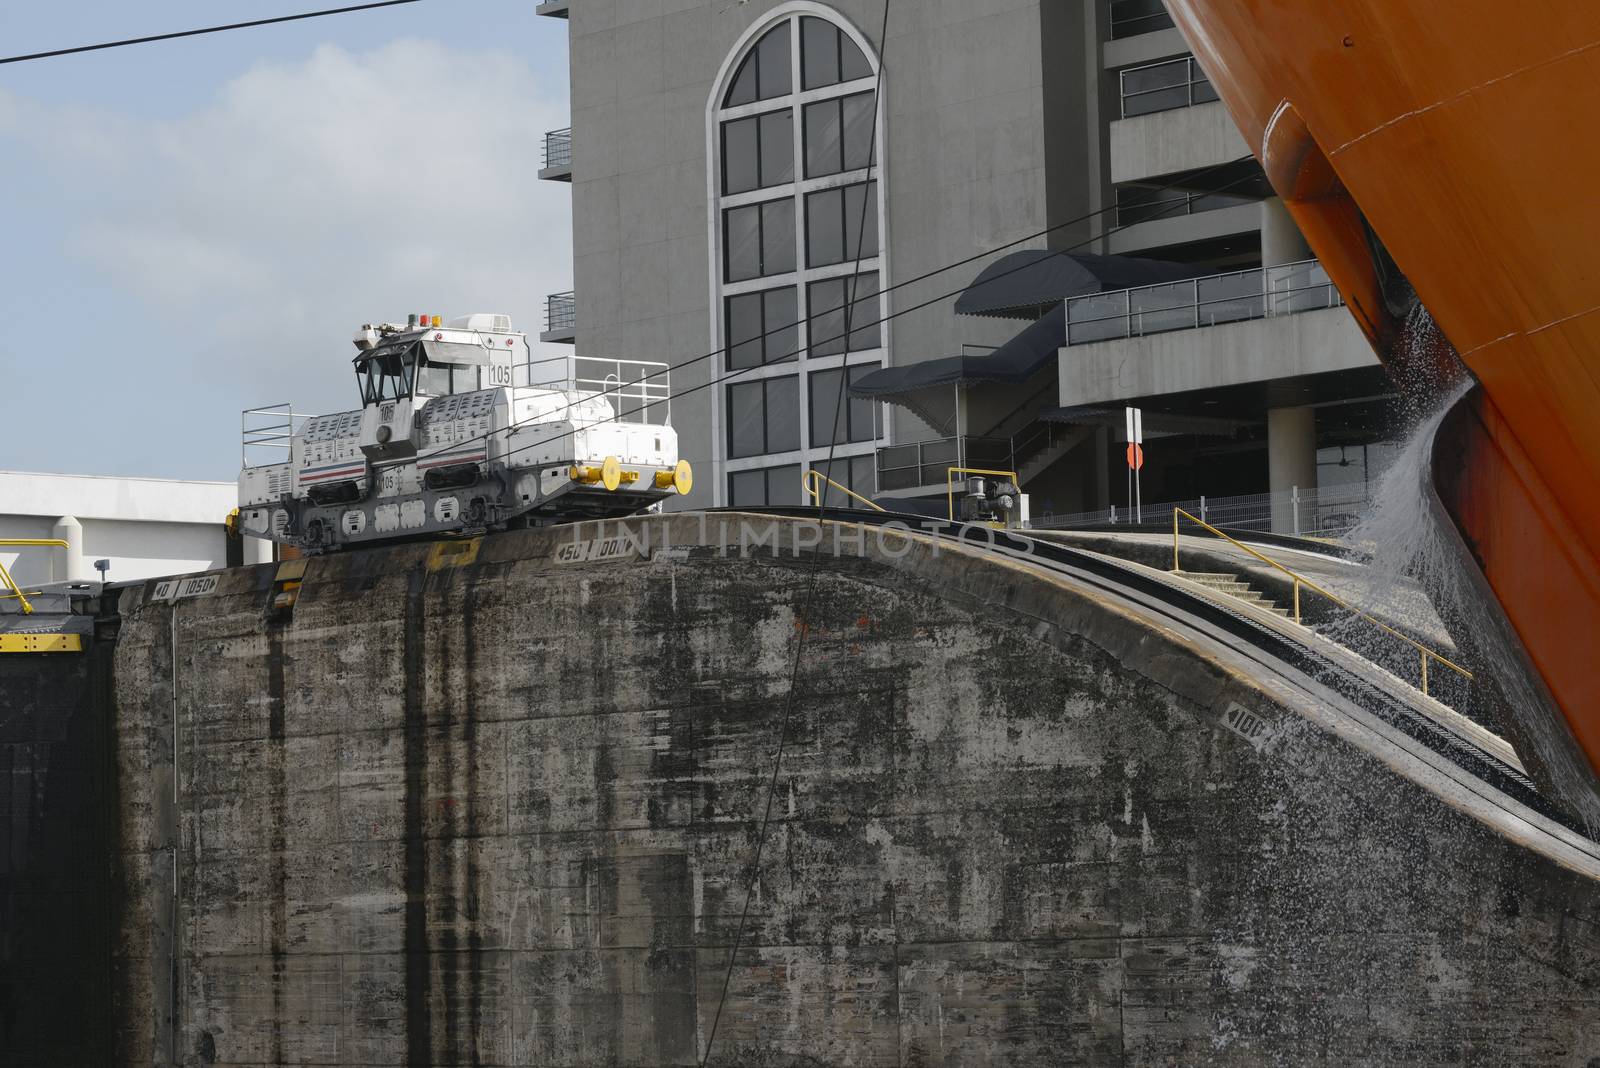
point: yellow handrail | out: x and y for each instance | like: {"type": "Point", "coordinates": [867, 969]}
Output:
{"type": "Point", "coordinates": [5, 576]}
{"type": "Point", "coordinates": [950, 483]}
{"type": "Point", "coordinates": [812, 480]}
{"type": "Point", "coordinates": [1300, 580]}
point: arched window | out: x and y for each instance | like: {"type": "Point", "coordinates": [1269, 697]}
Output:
{"type": "Point", "coordinates": [795, 195]}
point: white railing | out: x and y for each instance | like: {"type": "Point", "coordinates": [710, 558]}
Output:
{"type": "Point", "coordinates": [1210, 300]}
{"type": "Point", "coordinates": [639, 391]}
{"type": "Point", "coordinates": [266, 434]}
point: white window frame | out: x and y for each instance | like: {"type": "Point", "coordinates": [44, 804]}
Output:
{"type": "Point", "coordinates": [803, 365]}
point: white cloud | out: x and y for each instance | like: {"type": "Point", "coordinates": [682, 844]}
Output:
{"type": "Point", "coordinates": [308, 198]}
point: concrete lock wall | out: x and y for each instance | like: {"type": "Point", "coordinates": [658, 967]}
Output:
{"type": "Point", "coordinates": [482, 807]}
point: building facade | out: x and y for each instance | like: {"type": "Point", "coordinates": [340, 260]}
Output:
{"type": "Point", "coordinates": [142, 527]}
{"type": "Point", "coordinates": [790, 205]}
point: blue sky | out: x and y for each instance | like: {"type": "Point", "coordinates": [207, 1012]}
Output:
{"type": "Point", "coordinates": [195, 227]}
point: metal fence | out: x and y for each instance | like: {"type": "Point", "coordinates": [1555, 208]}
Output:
{"type": "Point", "coordinates": [1328, 512]}
{"type": "Point", "coordinates": [561, 311]}
{"type": "Point", "coordinates": [1129, 18]}
{"type": "Point", "coordinates": [1208, 301]}
{"type": "Point", "coordinates": [1137, 205]}
{"type": "Point", "coordinates": [1165, 86]}
{"type": "Point", "coordinates": [926, 463]}
{"type": "Point", "coordinates": [558, 148]}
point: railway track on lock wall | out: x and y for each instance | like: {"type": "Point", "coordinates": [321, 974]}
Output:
{"type": "Point", "coordinates": [1273, 649]}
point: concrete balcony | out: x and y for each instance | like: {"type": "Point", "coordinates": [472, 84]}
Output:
{"type": "Point", "coordinates": [560, 319]}
{"type": "Point", "coordinates": [557, 156]}
{"type": "Point", "coordinates": [553, 8]}
{"type": "Point", "coordinates": [1151, 146]}
{"type": "Point", "coordinates": [1207, 333]}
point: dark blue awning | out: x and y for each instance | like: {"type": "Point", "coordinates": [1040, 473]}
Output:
{"type": "Point", "coordinates": [1014, 362]}
{"type": "Point", "coordinates": [1024, 284]}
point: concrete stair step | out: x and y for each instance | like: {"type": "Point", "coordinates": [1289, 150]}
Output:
{"type": "Point", "coordinates": [1233, 586]}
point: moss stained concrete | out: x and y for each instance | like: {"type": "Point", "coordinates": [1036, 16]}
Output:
{"type": "Point", "coordinates": [496, 809]}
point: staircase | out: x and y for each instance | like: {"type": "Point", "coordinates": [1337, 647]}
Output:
{"type": "Point", "coordinates": [1233, 587]}
{"type": "Point", "coordinates": [1041, 444]}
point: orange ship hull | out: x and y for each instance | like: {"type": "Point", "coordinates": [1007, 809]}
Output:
{"type": "Point", "coordinates": [1462, 134]}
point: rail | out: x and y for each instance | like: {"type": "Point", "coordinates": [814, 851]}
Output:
{"type": "Point", "coordinates": [561, 311]}
{"type": "Point", "coordinates": [920, 463]}
{"type": "Point", "coordinates": [1211, 300]}
{"type": "Point", "coordinates": [11, 583]}
{"type": "Point", "coordinates": [950, 483]}
{"type": "Point", "coordinates": [1299, 580]}
{"type": "Point", "coordinates": [1129, 18]}
{"type": "Point", "coordinates": [639, 391]}
{"type": "Point", "coordinates": [558, 148]}
{"type": "Point", "coordinates": [812, 481]}
{"type": "Point", "coordinates": [1136, 204]}
{"type": "Point", "coordinates": [271, 427]}
{"type": "Point", "coordinates": [1165, 86]}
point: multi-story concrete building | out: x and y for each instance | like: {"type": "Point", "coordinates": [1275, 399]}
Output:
{"type": "Point", "coordinates": [732, 161]}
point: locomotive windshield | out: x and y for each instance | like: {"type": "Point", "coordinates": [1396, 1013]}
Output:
{"type": "Point", "coordinates": [387, 374]}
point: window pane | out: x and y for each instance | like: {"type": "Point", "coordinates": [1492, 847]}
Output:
{"type": "Point", "coordinates": [747, 489]}
{"type": "Point", "coordinates": [739, 156]}
{"type": "Point", "coordinates": [820, 47]}
{"type": "Point", "coordinates": [742, 242]}
{"type": "Point", "coordinates": [783, 414]}
{"type": "Point", "coordinates": [745, 417]}
{"type": "Point", "coordinates": [824, 228]}
{"type": "Point", "coordinates": [782, 324]}
{"type": "Point", "coordinates": [853, 61]}
{"type": "Point", "coordinates": [744, 331]}
{"type": "Point", "coordinates": [777, 148]}
{"type": "Point", "coordinates": [777, 237]}
{"type": "Point", "coordinates": [743, 90]}
{"type": "Point", "coordinates": [865, 415]}
{"type": "Point", "coordinates": [864, 475]}
{"type": "Point", "coordinates": [827, 317]}
{"type": "Point", "coordinates": [857, 131]}
{"type": "Point", "coordinates": [773, 54]}
{"type": "Point", "coordinates": [822, 138]}
{"type": "Point", "coordinates": [856, 243]}
{"type": "Point", "coordinates": [783, 485]}
{"type": "Point", "coordinates": [828, 425]}
{"type": "Point", "coordinates": [865, 329]}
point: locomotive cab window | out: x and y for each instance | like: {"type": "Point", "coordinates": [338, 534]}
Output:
{"type": "Point", "coordinates": [386, 376]}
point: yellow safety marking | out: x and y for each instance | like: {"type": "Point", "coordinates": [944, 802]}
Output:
{"type": "Point", "coordinates": [41, 643]}
{"type": "Point", "coordinates": [447, 554]}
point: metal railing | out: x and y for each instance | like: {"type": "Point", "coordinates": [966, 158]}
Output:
{"type": "Point", "coordinates": [9, 583]}
{"type": "Point", "coordinates": [1207, 301]}
{"type": "Point", "coordinates": [558, 148]}
{"type": "Point", "coordinates": [266, 434]}
{"type": "Point", "coordinates": [1129, 18]}
{"type": "Point", "coordinates": [639, 391]}
{"type": "Point", "coordinates": [1300, 580]}
{"type": "Point", "coordinates": [812, 482]}
{"type": "Point", "coordinates": [924, 463]}
{"type": "Point", "coordinates": [1136, 205]}
{"type": "Point", "coordinates": [561, 311]}
{"type": "Point", "coordinates": [1164, 86]}
{"type": "Point", "coordinates": [1328, 513]}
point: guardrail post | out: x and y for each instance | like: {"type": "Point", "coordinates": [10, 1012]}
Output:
{"type": "Point", "coordinates": [1425, 673]}
{"type": "Point", "coordinates": [1202, 508]}
{"type": "Point", "coordinates": [1297, 600]}
{"type": "Point", "coordinates": [1294, 501]}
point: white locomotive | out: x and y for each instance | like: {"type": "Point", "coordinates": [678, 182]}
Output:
{"type": "Point", "coordinates": [461, 431]}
